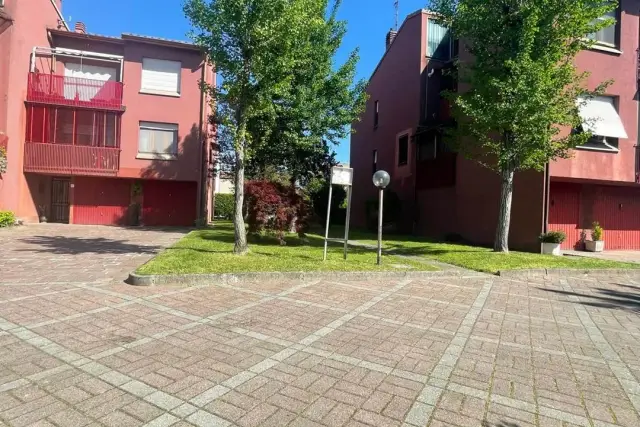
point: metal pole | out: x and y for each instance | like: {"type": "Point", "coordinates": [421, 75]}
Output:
{"type": "Point", "coordinates": [326, 233]}
{"type": "Point", "coordinates": [380, 227]}
{"type": "Point", "coordinates": [346, 224]}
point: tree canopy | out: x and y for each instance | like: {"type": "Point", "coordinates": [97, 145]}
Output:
{"type": "Point", "coordinates": [520, 86]}
{"type": "Point", "coordinates": [281, 94]}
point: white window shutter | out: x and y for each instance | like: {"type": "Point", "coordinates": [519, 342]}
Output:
{"type": "Point", "coordinates": [161, 76]}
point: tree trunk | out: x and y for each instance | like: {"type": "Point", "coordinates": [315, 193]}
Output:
{"type": "Point", "coordinates": [241, 247]}
{"type": "Point", "coordinates": [501, 243]}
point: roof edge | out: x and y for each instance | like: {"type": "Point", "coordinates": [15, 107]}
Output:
{"type": "Point", "coordinates": [409, 16]}
{"type": "Point", "coordinates": [126, 37]}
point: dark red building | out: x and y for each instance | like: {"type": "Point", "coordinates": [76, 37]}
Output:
{"type": "Point", "coordinates": [444, 194]}
{"type": "Point", "coordinates": [98, 129]}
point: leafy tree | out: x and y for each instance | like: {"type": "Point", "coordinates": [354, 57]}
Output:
{"type": "Point", "coordinates": [523, 83]}
{"type": "Point", "coordinates": [267, 52]}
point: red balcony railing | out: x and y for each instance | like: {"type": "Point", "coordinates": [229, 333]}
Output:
{"type": "Point", "coordinates": [74, 91]}
{"type": "Point", "coordinates": [71, 159]}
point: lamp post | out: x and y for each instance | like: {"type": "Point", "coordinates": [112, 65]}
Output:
{"type": "Point", "coordinates": [381, 180]}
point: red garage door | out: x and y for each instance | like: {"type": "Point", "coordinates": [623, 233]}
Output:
{"type": "Point", "coordinates": [101, 201]}
{"type": "Point", "coordinates": [618, 211]}
{"type": "Point", "coordinates": [169, 203]}
{"type": "Point", "coordinates": [564, 212]}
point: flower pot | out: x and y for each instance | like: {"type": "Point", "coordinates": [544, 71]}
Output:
{"type": "Point", "coordinates": [551, 249]}
{"type": "Point", "coordinates": [594, 245]}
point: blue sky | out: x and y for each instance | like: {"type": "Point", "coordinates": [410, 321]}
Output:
{"type": "Point", "coordinates": [368, 22]}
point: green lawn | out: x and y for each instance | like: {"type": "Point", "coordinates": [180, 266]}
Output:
{"type": "Point", "coordinates": [482, 259]}
{"type": "Point", "coordinates": [210, 251]}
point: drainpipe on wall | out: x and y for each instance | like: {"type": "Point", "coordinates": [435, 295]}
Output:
{"type": "Point", "coordinates": [546, 195]}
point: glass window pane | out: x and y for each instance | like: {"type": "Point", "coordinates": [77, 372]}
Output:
{"type": "Point", "coordinates": [438, 41]}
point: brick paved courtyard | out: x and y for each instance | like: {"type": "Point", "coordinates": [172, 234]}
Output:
{"type": "Point", "coordinates": [443, 351]}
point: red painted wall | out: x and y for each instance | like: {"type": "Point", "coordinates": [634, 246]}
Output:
{"type": "Point", "coordinates": [395, 84]}
{"type": "Point", "coordinates": [185, 111]}
{"type": "Point", "coordinates": [101, 201]}
{"type": "Point", "coordinates": [470, 208]}
{"type": "Point", "coordinates": [169, 203]}
{"type": "Point", "coordinates": [575, 206]}
{"type": "Point", "coordinates": [622, 69]}
{"type": "Point", "coordinates": [31, 19]}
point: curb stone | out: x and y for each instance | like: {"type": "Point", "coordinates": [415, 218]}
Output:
{"type": "Point", "coordinates": [568, 272]}
{"type": "Point", "coordinates": [231, 278]}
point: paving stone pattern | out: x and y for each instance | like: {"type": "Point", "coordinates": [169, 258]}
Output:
{"type": "Point", "coordinates": [45, 253]}
{"type": "Point", "coordinates": [466, 351]}
{"type": "Point", "coordinates": [459, 351]}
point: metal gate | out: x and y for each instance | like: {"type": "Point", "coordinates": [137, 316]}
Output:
{"type": "Point", "coordinates": [60, 200]}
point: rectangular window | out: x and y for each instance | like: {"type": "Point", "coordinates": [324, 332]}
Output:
{"type": "Point", "coordinates": [403, 150]}
{"type": "Point", "coordinates": [84, 127]}
{"type": "Point", "coordinates": [427, 148]}
{"type": "Point", "coordinates": [374, 168]}
{"type": "Point", "coordinates": [600, 117]}
{"type": "Point", "coordinates": [439, 42]}
{"type": "Point", "coordinates": [608, 35]}
{"type": "Point", "coordinates": [158, 141]}
{"type": "Point", "coordinates": [376, 114]}
{"type": "Point", "coordinates": [161, 77]}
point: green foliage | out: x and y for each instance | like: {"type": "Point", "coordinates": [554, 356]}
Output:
{"type": "Point", "coordinates": [7, 219]}
{"type": "Point", "coordinates": [320, 200]}
{"type": "Point", "coordinates": [211, 251]}
{"type": "Point", "coordinates": [596, 231]}
{"type": "Point", "coordinates": [522, 78]}
{"type": "Point", "coordinates": [391, 210]}
{"type": "Point", "coordinates": [224, 206]}
{"type": "Point", "coordinates": [520, 84]}
{"type": "Point", "coordinates": [553, 237]}
{"type": "Point", "coordinates": [3, 160]}
{"type": "Point", "coordinates": [281, 84]}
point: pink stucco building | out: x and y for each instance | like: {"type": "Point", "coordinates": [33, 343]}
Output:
{"type": "Point", "coordinates": [98, 129]}
{"type": "Point", "coordinates": [444, 194]}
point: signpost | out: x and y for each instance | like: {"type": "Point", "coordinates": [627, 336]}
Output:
{"type": "Point", "coordinates": [344, 177]}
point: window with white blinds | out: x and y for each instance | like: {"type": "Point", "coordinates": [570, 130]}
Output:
{"type": "Point", "coordinates": [161, 76]}
{"type": "Point", "coordinates": [158, 140]}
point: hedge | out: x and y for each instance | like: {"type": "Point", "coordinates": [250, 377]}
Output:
{"type": "Point", "coordinates": [224, 206]}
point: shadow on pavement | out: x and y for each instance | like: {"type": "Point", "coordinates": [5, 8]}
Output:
{"type": "Point", "coordinates": [608, 298]}
{"type": "Point", "coordinates": [76, 245]}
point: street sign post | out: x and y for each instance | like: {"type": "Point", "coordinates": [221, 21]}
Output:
{"type": "Point", "coordinates": [344, 177]}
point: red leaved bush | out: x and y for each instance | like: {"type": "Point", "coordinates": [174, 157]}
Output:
{"type": "Point", "coordinates": [274, 207]}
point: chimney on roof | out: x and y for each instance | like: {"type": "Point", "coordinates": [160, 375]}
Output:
{"type": "Point", "coordinates": [391, 36]}
{"type": "Point", "coordinates": [81, 28]}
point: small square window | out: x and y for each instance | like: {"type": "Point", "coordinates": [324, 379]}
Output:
{"type": "Point", "coordinates": [158, 141]}
{"type": "Point", "coordinates": [403, 150]}
{"type": "Point", "coordinates": [161, 77]}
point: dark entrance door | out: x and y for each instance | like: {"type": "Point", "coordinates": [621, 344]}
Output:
{"type": "Point", "coordinates": [60, 200]}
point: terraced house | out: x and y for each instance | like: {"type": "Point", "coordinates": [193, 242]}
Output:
{"type": "Point", "coordinates": [98, 129]}
{"type": "Point", "coordinates": [444, 194]}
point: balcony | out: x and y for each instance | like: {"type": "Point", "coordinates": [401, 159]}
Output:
{"type": "Point", "coordinates": [65, 159]}
{"type": "Point", "coordinates": [74, 92]}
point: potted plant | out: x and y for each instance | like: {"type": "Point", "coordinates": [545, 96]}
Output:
{"type": "Point", "coordinates": [596, 244]}
{"type": "Point", "coordinates": [551, 242]}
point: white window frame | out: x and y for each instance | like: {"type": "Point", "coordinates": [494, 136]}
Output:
{"type": "Point", "coordinates": [616, 31]}
{"type": "Point", "coordinates": [154, 91]}
{"type": "Point", "coordinates": [157, 126]}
